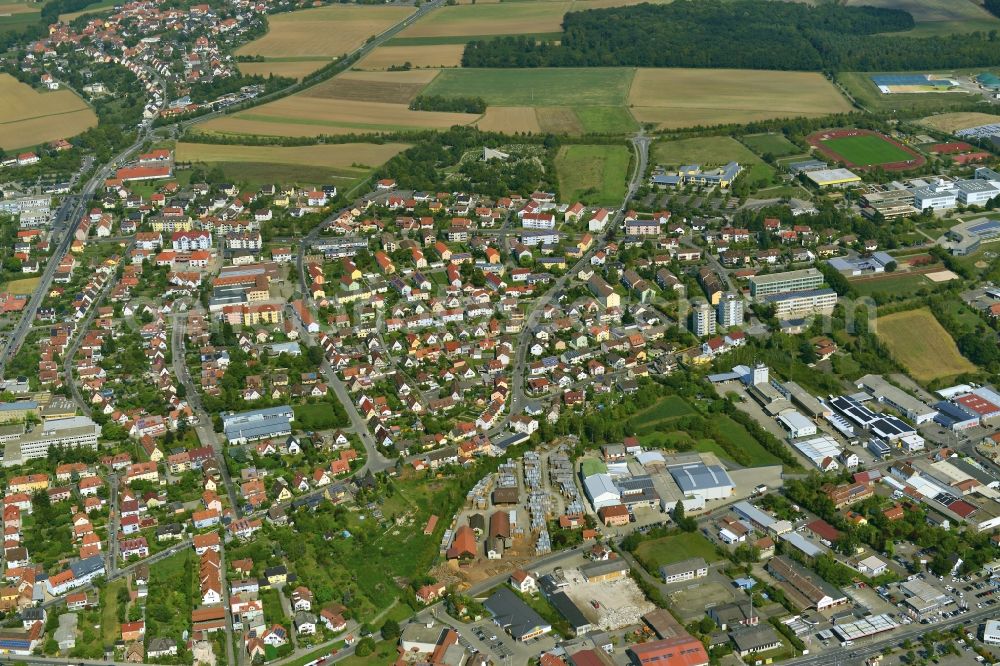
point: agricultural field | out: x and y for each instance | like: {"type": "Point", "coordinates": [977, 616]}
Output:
{"type": "Point", "coordinates": [655, 553]}
{"type": "Point", "coordinates": [469, 22]}
{"type": "Point", "coordinates": [319, 35]}
{"type": "Point", "coordinates": [708, 151]}
{"type": "Point", "coordinates": [593, 174]}
{"type": "Point", "coordinates": [569, 87]}
{"type": "Point", "coordinates": [939, 17]}
{"type": "Point", "coordinates": [510, 119]}
{"type": "Point", "coordinates": [922, 345]}
{"type": "Point", "coordinates": [388, 87]}
{"type": "Point", "coordinates": [677, 98]}
{"type": "Point", "coordinates": [303, 115]}
{"type": "Point", "coordinates": [431, 55]}
{"type": "Point", "coordinates": [952, 122]}
{"type": "Point", "coordinates": [558, 100]}
{"type": "Point", "coordinates": [16, 14]}
{"type": "Point", "coordinates": [775, 144]}
{"type": "Point", "coordinates": [98, 7]}
{"type": "Point", "coordinates": [29, 117]}
{"type": "Point", "coordinates": [317, 164]}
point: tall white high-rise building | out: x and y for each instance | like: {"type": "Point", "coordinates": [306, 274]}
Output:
{"type": "Point", "coordinates": [729, 311]}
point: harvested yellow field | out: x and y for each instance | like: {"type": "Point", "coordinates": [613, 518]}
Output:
{"type": "Point", "coordinates": [310, 116]}
{"type": "Point", "coordinates": [389, 87]}
{"type": "Point", "coordinates": [233, 126]}
{"type": "Point", "coordinates": [433, 55]}
{"type": "Point", "coordinates": [294, 69]}
{"type": "Point", "coordinates": [11, 8]}
{"type": "Point", "coordinates": [323, 32]}
{"type": "Point", "coordinates": [29, 117]}
{"type": "Point", "coordinates": [335, 156]}
{"type": "Point", "coordinates": [509, 119]}
{"type": "Point", "coordinates": [505, 18]}
{"type": "Point", "coordinates": [952, 122]}
{"type": "Point", "coordinates": [922, 345]}
{"type": "Point", "coordinates": [675, 98]}
{"type": "Point", "coordinates": [559, 120]}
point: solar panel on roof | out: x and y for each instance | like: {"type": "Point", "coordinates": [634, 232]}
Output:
{"type": "Point", "coordinates": [991, 226]}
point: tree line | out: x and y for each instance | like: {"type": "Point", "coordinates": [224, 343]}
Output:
{"type": "Point", "coordinates": [757, 35]}
{"type": "Point", "coordinates": [448, 104]}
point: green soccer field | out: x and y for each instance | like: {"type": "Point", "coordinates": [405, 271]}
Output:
{"type": "Point", "coordinates": [867, 150]}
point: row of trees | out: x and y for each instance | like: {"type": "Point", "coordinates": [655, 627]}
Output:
{"type": "Point", "coordinates": [757, 35]}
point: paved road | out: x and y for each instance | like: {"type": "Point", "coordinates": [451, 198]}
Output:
{"type": "Point", "coordinates": [376, 461]}
{"type": "Point", "coordinates": [863, 649]}
{"type": "Point", "coordinates": [124, 571]}
{"type": "Point", "coordinates": [203, 428]}
{"type": "Point", "coordinates": [366, 48]}
{"type": "Point", "coordinates": [79, 332]}
{"type": "Point", "coordinates": [640, 144]}
{"type": "Point", "coordinates": [67, 219]}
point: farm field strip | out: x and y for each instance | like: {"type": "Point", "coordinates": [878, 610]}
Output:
{"type": "Point", "coordinates": [345, 156]}
{"type": "Point", "coordinates": [29, 117]}
{"type": "Point", "coordinates": [431, 55]}
{"type": "Point", "coordinates": [321, 33]}
{"type": "Point", "coordinates": [952, 122]}
{"type": "Point", "coordinates": [922, 345]}
{"type": "Point", "coordinates": [677, 98]}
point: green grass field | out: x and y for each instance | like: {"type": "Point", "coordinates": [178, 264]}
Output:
{"type": "Point", "coordinates": [109, 612]}
{"type": "Point", "coordinates": [867, 150]}
{"type": "Point", "coordinates": [903, 284]}
{"type": "Point", "coordinates": [709, 151]}
{"type": "Point", "coordinates": [573, 87]}
{"type": "Point", "coordinates": [605, 119]}
{"type": "Point", "coordinates": [593, 174]}
{"type": "Point", "coordinates": [736, 436]}
{"type": "Point", "coordinates": [664, 410]}
{"type": "Point", "coordinates": [655, 553]}
{"type": "Point", "coordinates": [775, 144]}
{"type": "Point", "coordinates": [255, 174]}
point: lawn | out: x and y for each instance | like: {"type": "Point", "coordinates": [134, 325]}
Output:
{"type": "Point", "coordinates": [320, 415]}
{"type": "Point", "coordinates": [667, 407]}
{"type": "Point", "coordinates": [595, 175]}
{"type": "Point", "coordinates": [775, 144]}
{"type": "Point", "coordinates": [562, 86]}
{"type": "Point", "coordinates": [109, 612]}
{"type": "Point", "coordinates": [902, 284]}
{"type": "Point", "coordinates": [23, 286]}
{"type": "Point", "coordinates": [922, 345]}
{"type": "Point", "coordinates": [171, 598]}
{"type": "Point", "coordinates": [709, 150]}
{"type": "Point", "coordinates": [655, 553]}
{"type": "Point", "coordinates": [867, 150]}
{"type": "Point", "coordinates": [736, 436]}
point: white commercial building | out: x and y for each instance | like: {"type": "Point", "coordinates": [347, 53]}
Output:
{"type": "Point", "coordinates": [991, 632]}
{"type": "Point", "coordinates": [796, 424]}
{"type": "Point", "coordinates": [937, 196]}
{"type": "Point", "coordinates": [601, 491]}
{"type": "Point", "coordinates": [822, 451]}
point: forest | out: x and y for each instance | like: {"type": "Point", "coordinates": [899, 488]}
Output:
{"type": "Point", "coordinates": [742, 34]}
